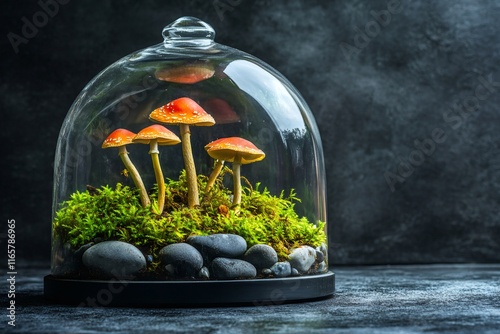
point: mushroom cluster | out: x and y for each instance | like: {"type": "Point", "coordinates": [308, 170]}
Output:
{"type": "Point", "coordinates": [183, 112]}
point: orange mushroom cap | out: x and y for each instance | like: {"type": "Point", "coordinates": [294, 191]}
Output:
{"type": "Point", "coordinates": [182, 111]}
{"type": "Point", "coordinates": [117, 138]}
{"type": "Point", "coordinates": [162, 135]}
{"type": "Point", "coordinates": [186, 74]}
{"type": "Point", "coordinates": [221, 111]}
{"type": "Point", "coordinates": [234, 148]}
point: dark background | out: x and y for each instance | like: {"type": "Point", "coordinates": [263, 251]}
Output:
{"type": "Point", "coordinates": [375, 89]}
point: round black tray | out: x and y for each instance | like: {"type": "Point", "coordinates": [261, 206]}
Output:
{"type": "Point", "coordinates": [189, 293]}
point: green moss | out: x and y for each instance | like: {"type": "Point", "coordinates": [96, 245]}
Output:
{"type": "Point", "coordinates": [116, 214]}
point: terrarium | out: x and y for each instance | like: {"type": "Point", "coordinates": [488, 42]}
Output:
{"type": "Point", "coordinates": [189, 173]}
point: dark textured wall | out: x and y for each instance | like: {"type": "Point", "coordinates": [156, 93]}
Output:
{"type": "Point", "coordinates": [406, 95]}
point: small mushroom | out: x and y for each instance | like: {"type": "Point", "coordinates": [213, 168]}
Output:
{"type": "Point", "coordinates": [239, 151]}
{"type": "Point", "coordinates": [217, 169]}
{"type": "Point", "coordinates": [213, 176]}
{"type": "Point", "coordinates": [121, 138]}
{"type": "Point", "coordinates": [184, 112]}
{"type": "Point", "coordinates": [156, 135]}
{"type": "Point", "coordinates": [221, 111]}
{"type": "Point", "coordinates": [187, 73]}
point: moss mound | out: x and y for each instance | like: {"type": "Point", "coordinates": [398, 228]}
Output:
{"type": "Point", "coordinates": [116, 214]}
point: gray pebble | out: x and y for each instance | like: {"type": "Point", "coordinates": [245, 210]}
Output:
{"type": "Point", "coordinates": [223, 268]}
{"type": "Point", "coordinates": [66, 261]}
{"type": "Point", "coordinates": [114, 259]}
{"type": "Point", "coordinates": [295, 272]}
{"type": "Point", "coordinates": [261, 256]}
{"type": "Point", "coordinates": [302, 258]}
{"type": "Point", "coordinates": [204, 273]}
{"type": "Point", "coordinates": [219, 245]}
{"type": "Point", "coordinates": [323, 249]}
{"type": "Point", "coordinates": [320, 257]}
{"type": "Point", "coordinates": [281, 269]}
{"type": "Point", "coordinates": [322, 267]}
{"type": "Point", "coordinates": [184, 259]}
{"type": "Point", "coordinates": [266, 272]}
{"type": "Point", "coordinates": [79, 252]}
{"type": "Point", "coordinates": [77, 259]}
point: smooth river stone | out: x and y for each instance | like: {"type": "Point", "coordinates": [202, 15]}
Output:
{"type": "Point", "coordinates": [184, 260]}
{"type": "Point", "coordinates": [261, 256]}
{"type": "Point", "coordinates": [114, 259]}
{"type": "Point", "coordinates": [219, 245]}
{"type": "Point", "coordinates": [281, 269]}
{"type": "Point", "coordinates": [223, 268]}
{"type": "Point", "coordinates": [302, 258]}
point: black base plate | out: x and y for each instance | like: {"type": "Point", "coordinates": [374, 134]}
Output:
{"type": "Point", "coordinates": [189, 293]}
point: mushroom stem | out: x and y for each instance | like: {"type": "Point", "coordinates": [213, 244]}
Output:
{"type": "Point", "coordinates": [237, 182]}
{"type": "Point", "coordinates": [192, 181]}
{"type": "Point", "coordinates": [213, 176]}
{"type": "Point", "coordinates": [134, 174]}
{"type": "Point", "coordinates": [160, 181]}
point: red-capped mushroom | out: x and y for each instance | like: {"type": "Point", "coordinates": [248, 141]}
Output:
{"type": "Point", "coordinates": [156, 135]}
{"type": "Point", "coordinates": [187, 73]}
{"type": "Point", "coordinates": [121, 138]}
{"type": "Point", "coordinates": [239, 151]}
{"type": "Point", "coordinates": [221, 111]}
{"type": "Point", "coordinates": [185, 112]}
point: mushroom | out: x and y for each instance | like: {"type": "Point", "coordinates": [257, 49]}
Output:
{"type": "Point", "coordinates": [221, 111]}
{"type": "Point", "coordinates": [187, 73]}
{"type": "Point", "coordinates": [184, 112]}
{"type": "Point", "coordinates": [239, 151]}
{"type": "Point", "coordinates": [213, 176]}
{"type": "Point", "coordinates": [155, 135]}
{"type": "Point", "coordinates": [217, 168]}
{"type": "Point", "coordinates": [121, 138]}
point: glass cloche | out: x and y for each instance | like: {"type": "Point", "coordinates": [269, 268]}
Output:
{"type": "Point", "coordinates": [185, 173]}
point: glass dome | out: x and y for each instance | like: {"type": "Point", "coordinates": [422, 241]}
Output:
{"type": "Point", "coordinates": [189, 162]}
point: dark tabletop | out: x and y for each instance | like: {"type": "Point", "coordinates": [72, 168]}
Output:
{"type": "Point", "coordinates": [370, 299]}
